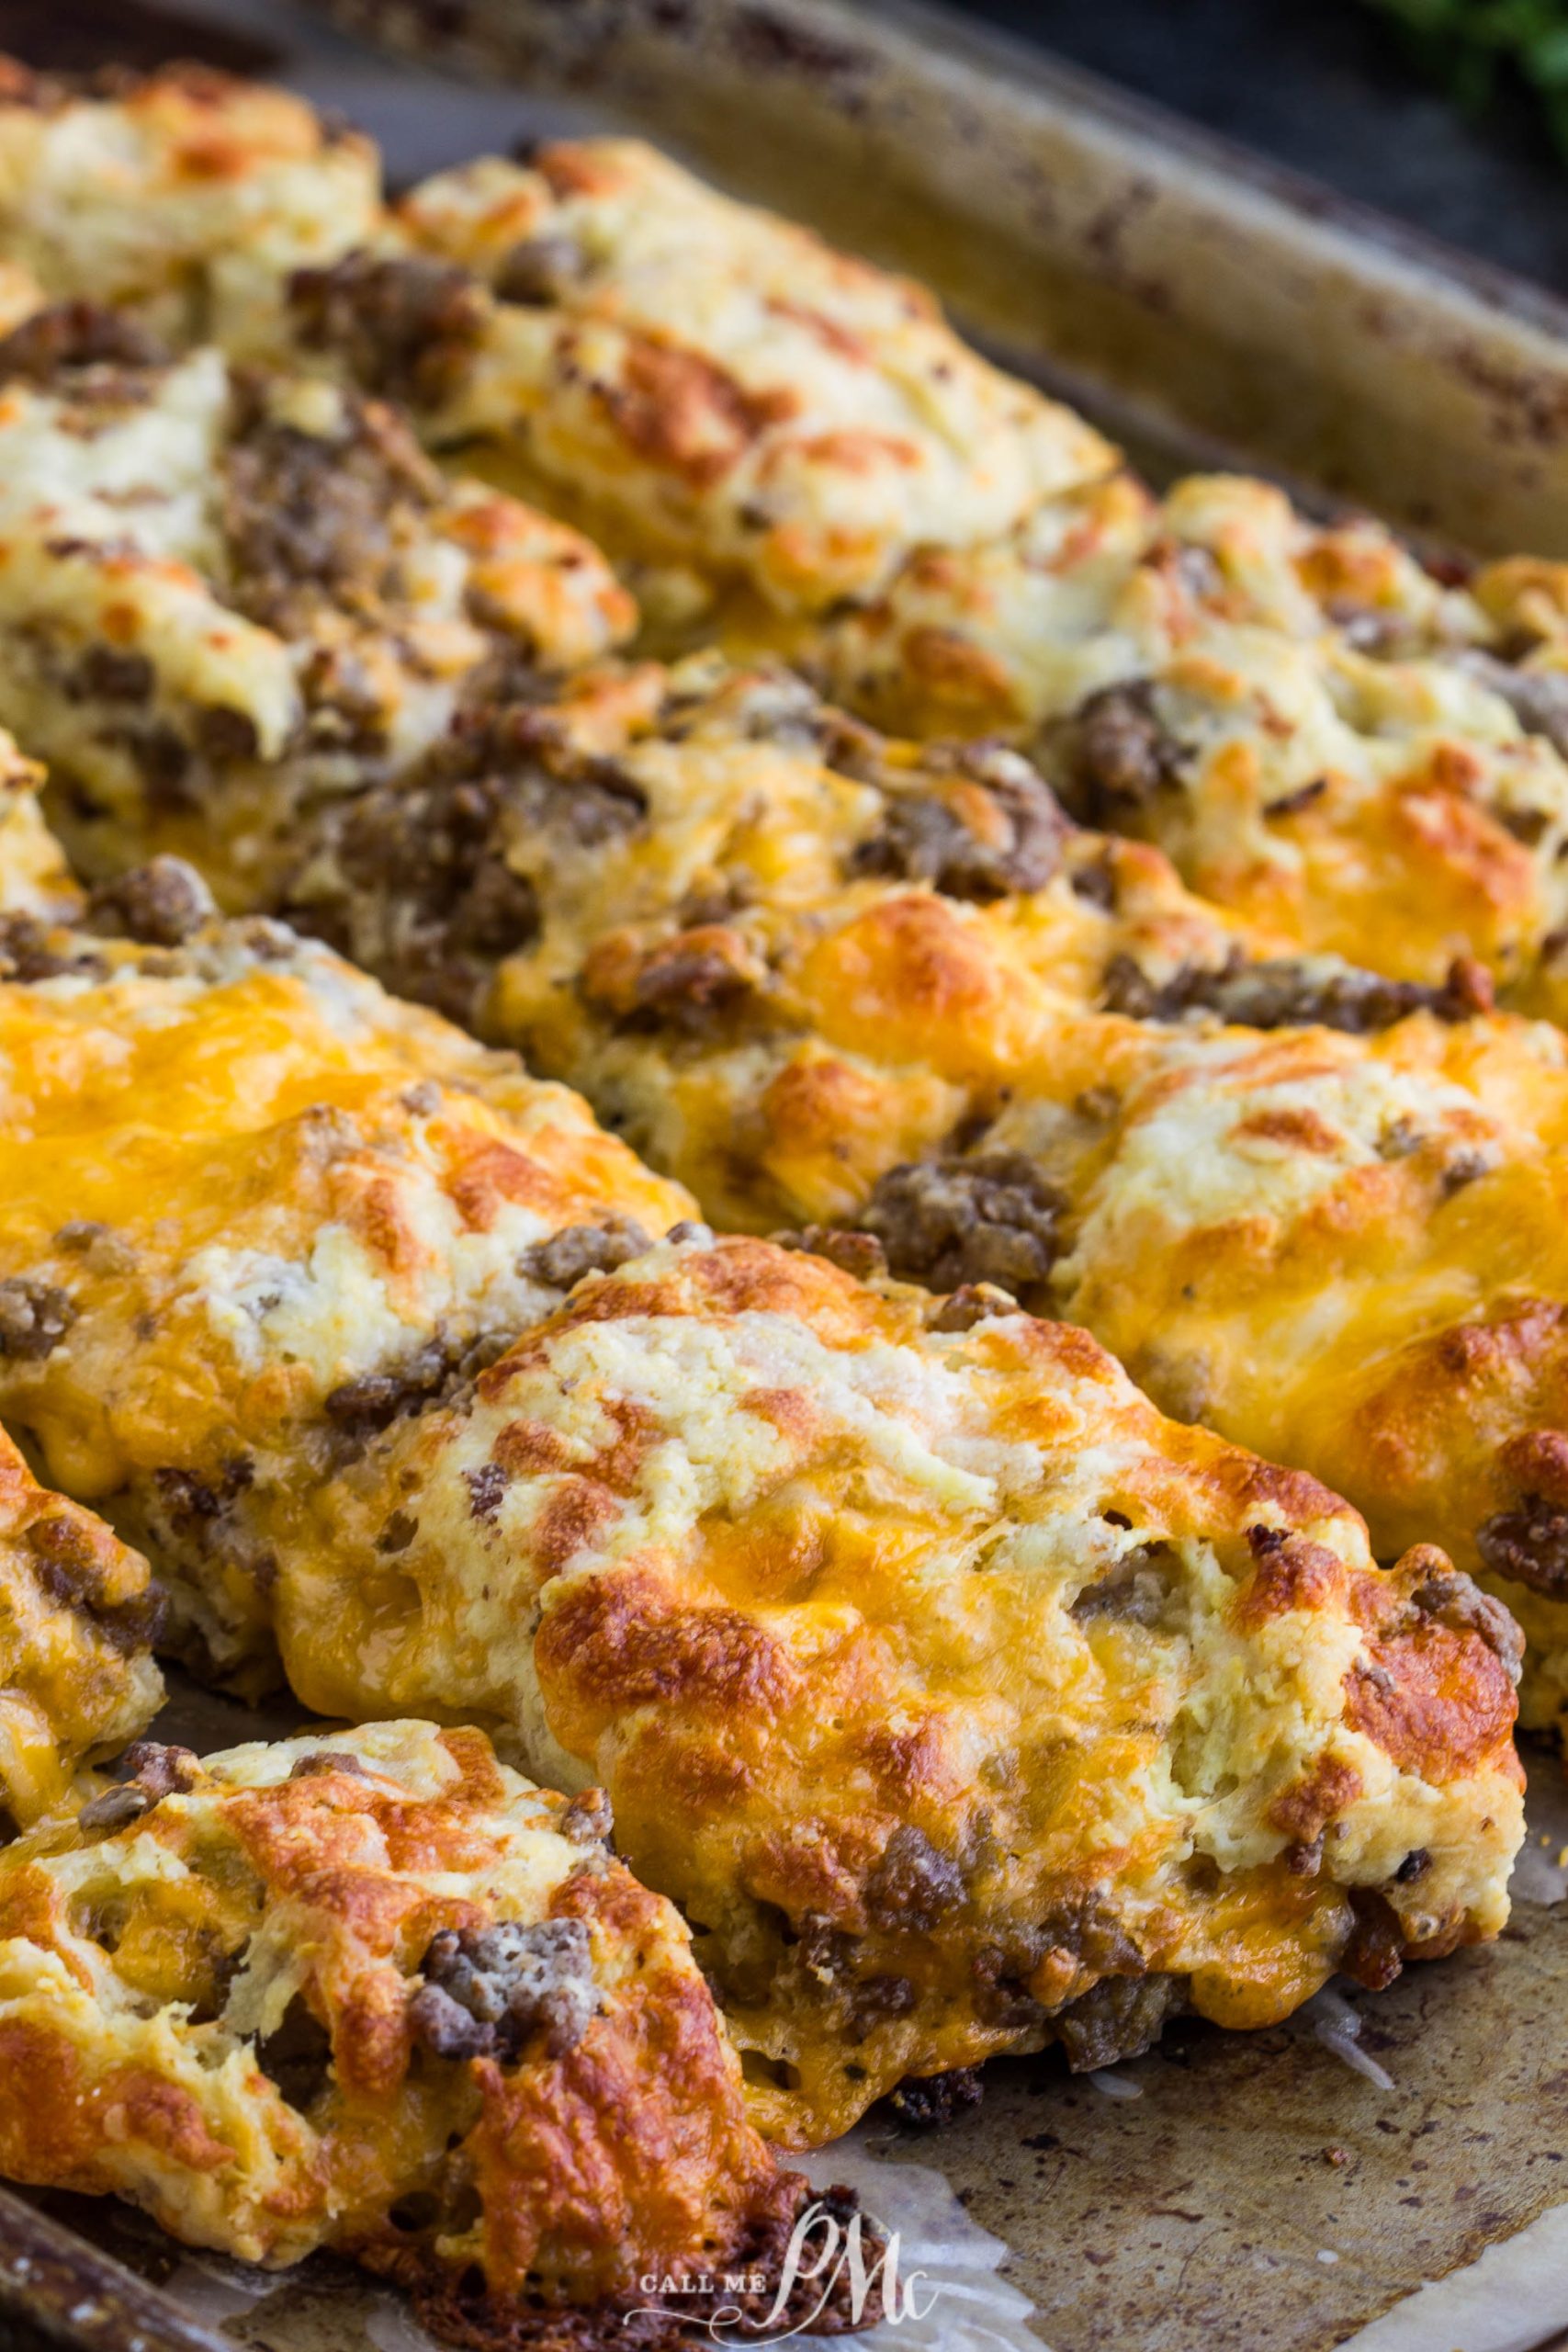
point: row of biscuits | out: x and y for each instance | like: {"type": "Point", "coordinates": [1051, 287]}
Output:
{"type": "Point", "coordinates": [962, 1702]}
{"type": "Point", "coordinates": [821, 975]}
{"type": "Point", "coordinates": [360, 1992]}
{"type": "Point", "coordinates": [963, 1705]}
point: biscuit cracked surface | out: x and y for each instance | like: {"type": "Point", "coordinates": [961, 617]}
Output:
{"type": "Point", "coordinates": [258, 1997]}
{"type": "Point", "coordinates": [228, 594]}
{"type": "Point", "coordinates": [964, 1704]}
{"type": "Point", "coordinates": [185, 194]}
{"type": "Point", "coordinates": [276, 1207]}
{"type": "Point", "coordinates": [78, 1613]}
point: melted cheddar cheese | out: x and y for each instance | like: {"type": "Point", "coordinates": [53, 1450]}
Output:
{"type": "Point", "coordinates": [786, 955]}
{"type": "Point", "coordinates": [297, 1255]}
{"type": "Point", "coordinates": [1318, 734]}
{"type": "Point", "coordinates": [1348, 1253]}
{"type": "Point", "coordinates": [780, 951]}
{"type": "Point", "coordinates": [791, 451]}
{"type": "Point", "coordinates": [219, 584]}
{"type": "Point", "coordinates": [35, 881]}
{"type": "Point", "coordinates": [366, 1990]}
{"type": "Point", "coordinates": [963, 1703]}
{"type": "Point", "coordinates": [273, 1205]}
{"type": "Point", "coordinates": [726, 397]}
{"type": "Point", "coordinates": [77, 1609]}
{"type": "Point", "coordinates": [187, 193]}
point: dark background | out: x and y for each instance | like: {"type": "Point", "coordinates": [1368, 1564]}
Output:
{"type": "Point", "coordinates": [1326, 86]}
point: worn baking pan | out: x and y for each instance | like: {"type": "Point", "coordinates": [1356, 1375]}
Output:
{"type": "Point", "coordinates": [1205, 304]}
{"type": "Point", "coordinates": [1257, 2193]}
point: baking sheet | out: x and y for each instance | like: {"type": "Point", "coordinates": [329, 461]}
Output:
{"type": "Point", "coordinates": [1208, 2212]}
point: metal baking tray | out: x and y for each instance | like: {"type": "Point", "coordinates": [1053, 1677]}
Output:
{"type": "Point", "coordinates": [1258, 2196]}
{"type": "Point", "coordinates": [1206, 305]}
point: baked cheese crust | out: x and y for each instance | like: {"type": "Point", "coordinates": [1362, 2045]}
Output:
{"type": "Point", "coordinates": [214, 579]}
{"type": "Point", "coordinates": [1320, 735]}
{"type": "Point", "coordinates": [301, 1336]}
{"type": "Point", "coordinates": [77, 1607]}
{"type": "Point", "coordinates": [716, 387]}
{"type": "Point", "coordinates": [1318, 731]}
{"type": "Point", "coordinates": [786, 958]}
{"type": "Point", "coordinates": [77, 1614]}
{"type": "Point", "coordinates": [185, 194]}
{"type": "Point", "coordinates": [720, 871]}
{"type": "Point", "coordinates": [372, 1990]}
{"type": "Point", "coordinates": [1346, 1251]}
{"type": "Point", "coordinates": [964, 1703]}
{"type": "Point", "coordinates": [257, 1207]}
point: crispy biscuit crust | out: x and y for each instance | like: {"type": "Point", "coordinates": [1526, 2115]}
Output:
{"type": "Point", "coordinates": [956, 1696]}
{"type": "Point", "coordinates": [215, 2000]}
{"type": "Point", "coordinates": [789, 956]}
{"type": "Point", "coordinates": [716, 387]}
{"type": "Point", "coordinates": [1320, 734]}
{"type": "Point", "coordinates": [185, 193]}
{"type": "Point", "coordinates": [227, 596]}
{"type": "Point", "coordinates": [279, 1208]}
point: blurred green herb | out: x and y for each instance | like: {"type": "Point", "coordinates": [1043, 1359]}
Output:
{"type": "Point", "coordinates": [1472, 46]}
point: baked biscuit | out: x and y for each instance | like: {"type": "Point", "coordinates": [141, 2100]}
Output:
{"type": "Point", "coordinates": [1320, 734]}
{"type": "Point", "coordinates": [718, 899]}
{"type": "Point", "coordinates": [964, 1703]}
{"type": "Point", "coordinates": [714, 390]}
{"type": "Point", "coordinates": [1348, 1253]}
{"type": "Point", "coordinates": [215, 580]}
{"type": "Point", "coordinates": [271, 1208]}
{"type": "Point", "coordinates": [77, 1614]}
{"type": "Point", "coordinates": [1093, 589]}
{"type": "Point", "coordinates": [1344, 1250]}
{"type": "Point", "coordinates": [371, 1990]}
{"type": "Point", "coordinates": [822, 977]}
{"type": "Point", "coordinates": [77, 1609]}
{"type": "Point", "coordinates": [185, 194]}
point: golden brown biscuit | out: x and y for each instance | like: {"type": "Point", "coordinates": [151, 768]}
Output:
{"type": "Point", "coordinates": [788, 958]}
{"type": "Point", "coordinates": [1099, 587]}
{"type": "Point", "coordinates": [78, 1610]}
{"type": "Point", "coordinates": [964, 1703]}
{"type": "Point", "coordinates": [35, 885]}
{"type": "Point", "coordinates": [647, 1541]}
{"type": "Point", "coordinates": [371, 1990]}
{"type": "Point", "coordinates": [77, 1614]}
{"type": "Point", "coordinates": [1346, 1251]}
{"type": "Point", "coordinates": [1340, 744]}
{"type": "Point", "coordinates": [716, 389]}
{"type": "Point", "coordinates": [185, 193]}
{"type": "Point", "coordinates": [1320, 734]}
{"type": "Point", "coordinates": [271, 1208]}
{"type": "Point", "coordinates": [780, 951]}
{"type": "Point", "coordinates": [792, 449]}
{"type": "Point", "coordinates": [214, 581]}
